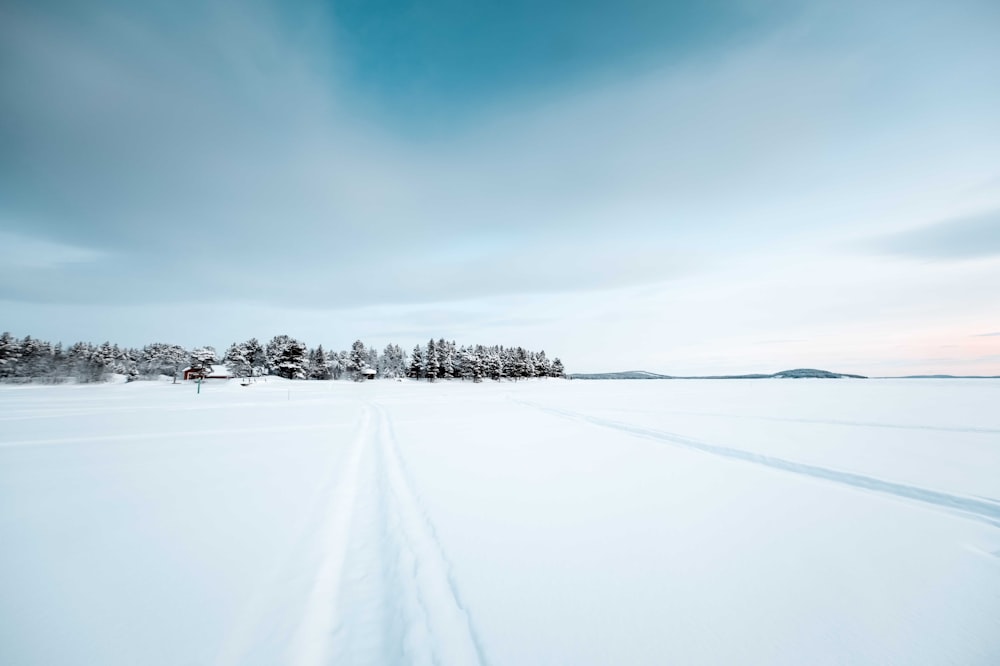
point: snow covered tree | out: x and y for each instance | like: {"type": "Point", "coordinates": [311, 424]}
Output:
{"type": "Point", "coordinates": [358, 360]}
{"type": "Point", "coordinates": [472, 365]}
{"type": "Point", "coordinates": [29, 358]}
{"type": "Point", "coordinates": [236, 360]}
{"type": "Point", "coordinates": [493, 362]}
{"type": "Point", "coordinates": [9, 352]}
{"type": "Point", "coordinates": [318, 366]}
{"type": "Point", "coordinates": [542, 366]}
{"type": "Point", "coordinates": [446, 359]}
{"type": "Point", "coordinates": [521, 366]}
{"type": "Point", "coordinates": [128, 363]}
{"type": "Point", "coordinates": [203, 359]}
{"type": "Point", "coordinates": [416, 370]}
{"type": "Point", "coordinates": [337, 361]}
{"type": "Point", "coordinates": [102, 360]}
{"type": "Point", "coordinates": [246, 359]}
{"type": "Point", "coordinates": [286, 357]}
{"type": "Point", "coordinates": [80, 362]}
{"type": "Point", "coordinates": [256, 356]}
{"type": "Point", "coordinates": [160, 358]}
{"type": "Point", "coordinates": [557, 369]}
{"type": "Point", "coordinates": [431, 364]}
{"type": "Point", "coordinates": [392, 362]}
{"type": "Point", "coordinates": [58, 362]}
{"type": "Point", "coordinates": [292, 363]}
{"type": "Point", "coordinates": [275, 348]}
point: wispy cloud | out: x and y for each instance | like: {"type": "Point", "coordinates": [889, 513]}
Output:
{"type": "Point", "coordinates": [960, 238]}
{"type": "Point", "coordinates": [20, 252]}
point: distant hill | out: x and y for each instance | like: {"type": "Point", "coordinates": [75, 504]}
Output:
{"type": "Point", "coordinates": [798, 373]}
{"type": "Point", "coordinates": [809, 372]}
{"type": "Point", "coordinates": [628, 374]}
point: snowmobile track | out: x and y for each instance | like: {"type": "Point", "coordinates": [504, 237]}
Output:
{"type": "Point", "coordinates": [984, 510]}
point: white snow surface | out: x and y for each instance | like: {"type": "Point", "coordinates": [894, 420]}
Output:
{"type": "Point", "coordinates": [540, 522]}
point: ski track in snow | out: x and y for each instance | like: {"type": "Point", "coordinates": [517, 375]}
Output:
{"type": "Point", "coordinates": [984, 509]}
{"type": "Point", "coordinates": [439, 630]}
{"type": "Point", "coordinates": [377, 587]}
{"type": "Point", "coordinates": [308, 570]}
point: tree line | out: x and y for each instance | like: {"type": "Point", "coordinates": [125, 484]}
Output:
{"type": "Point", "coordinates": [31, 359]}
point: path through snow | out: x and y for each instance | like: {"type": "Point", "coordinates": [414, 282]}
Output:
{"type": "Point", "coordinates": [381, 590]}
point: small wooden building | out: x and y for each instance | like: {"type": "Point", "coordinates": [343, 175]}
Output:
{"type": "Point", "coordinates": [368, 373]}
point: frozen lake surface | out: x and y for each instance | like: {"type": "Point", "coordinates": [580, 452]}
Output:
{"type": "Point", "coordinates": [543, 522]}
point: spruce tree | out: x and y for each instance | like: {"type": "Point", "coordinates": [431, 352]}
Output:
{"type": "Point", "coordinates": [417, 363]}
{"type": "Point", "coordinates": [431, 363]}
{"type": "Point", "coordinates": [318, 367]}
{"type": "Point", "coordinates": [358, 359]}
{"type": "Point", "coordinates": [9, 349]}
{"type": "Point", "coordinates": [236, 360]}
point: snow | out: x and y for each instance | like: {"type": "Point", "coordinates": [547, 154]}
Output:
{"type": "Point", "coordinates": [538, 522]}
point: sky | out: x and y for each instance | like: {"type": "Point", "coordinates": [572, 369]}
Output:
{"type": "Point", "coordinates": [681, 187]}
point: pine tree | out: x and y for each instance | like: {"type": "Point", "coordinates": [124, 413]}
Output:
{"type": "Point", "coordinates": [79, 356]}
{"type": "Point", "coordinates": [129, 364]}
{"type": "Point", "coordinates": [473, 366]}
{"type": "Point", "coordinates": [58, 362]}
{"type": "Point", "coordinates": [492, 362]}
{"type": "Point", "coordinates": [203, 359]}
{"type": "Point", "coordinates": [236, 360]}
{"type": "Point", "coordinates": [9, 351]}
{"type": "Point", "coordinates": [417, 363]}
{"type": "Point", "coordinates": [318, 366]}
{"type": "Point", "coordinates": [358, 359]}
{"type": "Point", "coordinates": [338, 364]}
{"type": "Point", "coordinates": [286, 357]}
{"type": "Point", "coordinates": [446, 351]}
{"type": "Point", "coordinates": [392, 363]}
{"type": "Point", "coordinates": [542, 366]}
{"type": "Point", "coordinates": [28, 355]}
{"type": "Point", "coordinates": [274, 351]}
{"type": "Point", "coordinates": [101, 361]}
{"type": "Point", "coordinates": [431, 363]}
{"type": "Point", "coordinates": [256, 356]}
{"type": "Point", "coordinates": [160, 358]}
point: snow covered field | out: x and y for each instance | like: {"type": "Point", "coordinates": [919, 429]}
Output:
{"type": "Point", "coordinates": [544, 522]}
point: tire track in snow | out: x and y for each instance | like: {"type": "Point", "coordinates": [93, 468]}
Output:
{"type": "Point", "coordinates": [984, 510]}
{"type": "Point", "coordinates": [437, 628]}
